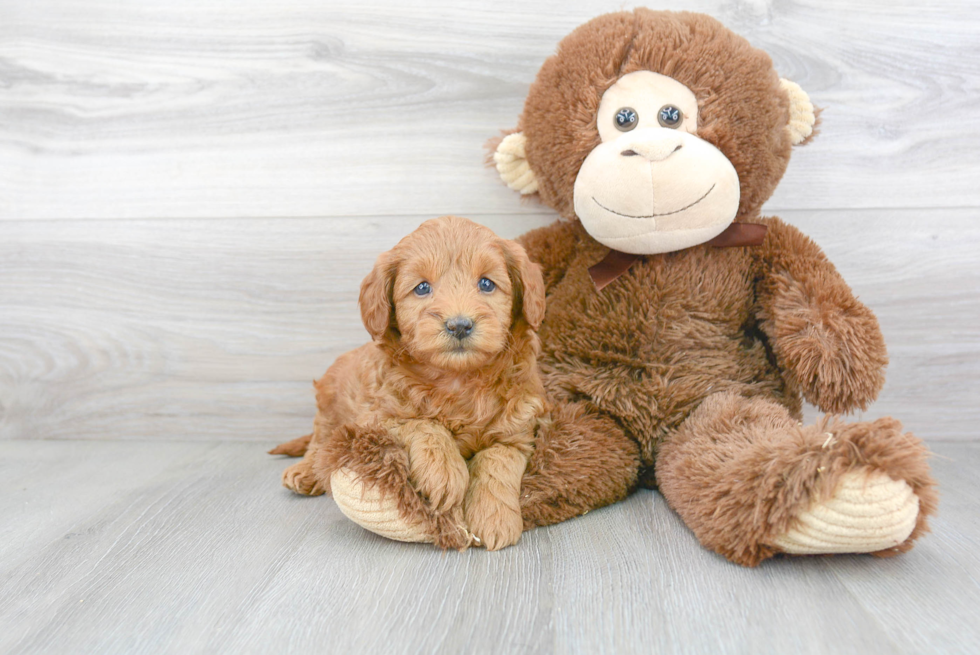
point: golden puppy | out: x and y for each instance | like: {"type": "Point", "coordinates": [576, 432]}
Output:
{"type": "Point", "coordinates": [451, 374]}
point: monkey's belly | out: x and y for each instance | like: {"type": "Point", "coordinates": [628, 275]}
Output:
{"type": "Point", "coordinates": [651, 396]}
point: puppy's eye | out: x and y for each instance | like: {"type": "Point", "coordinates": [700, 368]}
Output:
{"type": "Point", "coordinates": [670, 116]}
{"type": "Point", "coordinates": [626, 119]}
{"type": "Point", "coordinates": [422, 289]}
{"type": "Point", "coordinates": [486, 285]}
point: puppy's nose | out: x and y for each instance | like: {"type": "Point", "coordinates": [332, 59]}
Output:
{"type": "Point", "coordinates": [459, 326]}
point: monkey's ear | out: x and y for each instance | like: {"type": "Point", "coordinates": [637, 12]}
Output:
{"type": "Point", "coordinates": [377, 306]}
{"type": "Point", "coordinates": [802, 115]}
{"type": "Point", "coordinates": [511, 163]}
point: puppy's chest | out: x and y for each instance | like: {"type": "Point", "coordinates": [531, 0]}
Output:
{"type": "Point", "coordinates": [475, 422]}
{"type": "Point", "coordinates": [470, 415]}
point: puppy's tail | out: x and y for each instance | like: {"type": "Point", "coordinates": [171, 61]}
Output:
{"type": "Point", "coordinates": [295, 448]}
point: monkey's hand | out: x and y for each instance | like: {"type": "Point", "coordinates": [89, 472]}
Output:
{"type": "Point", "coordinates": [828, 343]}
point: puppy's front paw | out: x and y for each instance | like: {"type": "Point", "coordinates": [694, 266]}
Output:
{"type": "Point", "coordinates": [441, 477]}
{"type": "Point", "coordinates": [492, 522]}
{"type": "Point", "coordinates": [300, 478]}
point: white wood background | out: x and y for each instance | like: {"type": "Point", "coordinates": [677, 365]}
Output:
{"type": "Point", "coordinates": [190, 193]}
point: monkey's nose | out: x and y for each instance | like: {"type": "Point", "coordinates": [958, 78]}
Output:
{"type": "Point", "coordinates": [459, 326]}
{"type": "Point", "coordinates": [657, 145]}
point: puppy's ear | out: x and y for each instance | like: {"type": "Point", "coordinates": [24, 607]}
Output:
{"type": "Point", "coordinates": [377, 306]}
{"type": "Point", "coordinates": [528, 284]}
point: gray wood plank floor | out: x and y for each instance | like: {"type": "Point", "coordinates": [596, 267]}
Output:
{"type": "Point", "coordinates": [162, 547]}
{"type": "Point", "coordinates": [190, 193]}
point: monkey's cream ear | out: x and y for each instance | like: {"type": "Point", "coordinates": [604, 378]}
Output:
{"type": "Point", "coordinates": [511, 162]}
{"type": "Point", "coordinates": [802, 117]}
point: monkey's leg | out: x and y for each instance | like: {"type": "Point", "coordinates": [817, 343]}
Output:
{"type": "Point", "coordinates": [752, 482]}
{"type": "Point", "coordinates": [581, 461]}
{"type": "Point", "coordinates": [368, 469]}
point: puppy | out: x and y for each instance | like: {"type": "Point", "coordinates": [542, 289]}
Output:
{"type": "Point", "coordinates": [451, 374]}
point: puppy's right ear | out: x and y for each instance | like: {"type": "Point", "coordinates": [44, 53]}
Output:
{"type": "Point", "coordinates": [377, 306]}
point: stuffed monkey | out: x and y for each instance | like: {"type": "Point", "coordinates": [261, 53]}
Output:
{"type": "Point", "coordinates": [683, 329]}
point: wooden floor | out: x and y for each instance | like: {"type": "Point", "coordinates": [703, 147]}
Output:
{"type": "Point", "coordinates": [183, 547]}
{"type": "Point", "coordinates": [190, 193]}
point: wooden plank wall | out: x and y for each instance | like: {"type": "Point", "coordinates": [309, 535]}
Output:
{"type": "Point", "coordinates": [190, 192]}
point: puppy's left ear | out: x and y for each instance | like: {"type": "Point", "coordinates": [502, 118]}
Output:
{"type": "Point", "coordinates": [377, 306]}
{"type": "Point", "coordinates": [528, 284]}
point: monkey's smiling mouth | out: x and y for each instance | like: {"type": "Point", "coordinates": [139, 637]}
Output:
{"type": "Point", "coordinates": [676, 211]}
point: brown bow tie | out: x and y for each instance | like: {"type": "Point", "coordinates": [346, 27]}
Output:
{"type": "Point", "coordinates": [616, 263]}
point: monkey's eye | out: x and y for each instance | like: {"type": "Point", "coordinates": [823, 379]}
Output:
{"type": "Point", "coordinates": [626, 119]}
{"type": "Point", "coordinates": [422, 289]}
{"type": "Point", "coordinates": [670, 116]}
{"type": "Point", "coordinates": [486, 285]}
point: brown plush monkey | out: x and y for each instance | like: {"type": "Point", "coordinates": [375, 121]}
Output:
{"type": "Point", "coordinates": [683, 330]}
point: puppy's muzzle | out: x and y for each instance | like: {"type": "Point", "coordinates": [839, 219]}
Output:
{"type": "Point", "coordinates": [459, 327]}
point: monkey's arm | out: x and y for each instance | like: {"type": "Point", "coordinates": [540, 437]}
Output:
{"type": "Point", "coordinates": [553, 247]}
{"type": "Point", "coordinates": [828, 343]}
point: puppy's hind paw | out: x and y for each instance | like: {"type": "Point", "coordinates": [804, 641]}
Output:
{"type": "Point", "coordinates": [300, 478]}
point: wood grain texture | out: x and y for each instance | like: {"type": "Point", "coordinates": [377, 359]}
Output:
{"type": "Point", "coordinates": [230, 108]}
{"type": "Point", "coordinates": [215, 329]}
{"type": "Point", "coordinates": [190, 193]}
{"type": "Point", "coordinates": [115, 547]}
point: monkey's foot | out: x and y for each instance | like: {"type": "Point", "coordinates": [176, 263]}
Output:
{"type": "Point", "coordinates": [373, 511]}
{"type": "Point", "coordinates": [868, 512]}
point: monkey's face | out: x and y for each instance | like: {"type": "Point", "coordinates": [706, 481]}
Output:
{"type": "Point", "coordinates": [656, 129]}
{"type": "Point", "coordinates": [652, 185]}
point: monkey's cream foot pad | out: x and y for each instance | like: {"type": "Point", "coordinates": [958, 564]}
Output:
{"type": "Point", "coordinates": [868, 512]}
{"type": "Point", "coordinates": [367, 507]}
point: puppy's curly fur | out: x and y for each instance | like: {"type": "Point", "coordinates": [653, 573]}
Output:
{"type": "Point", "coordinates": [451, 376]}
